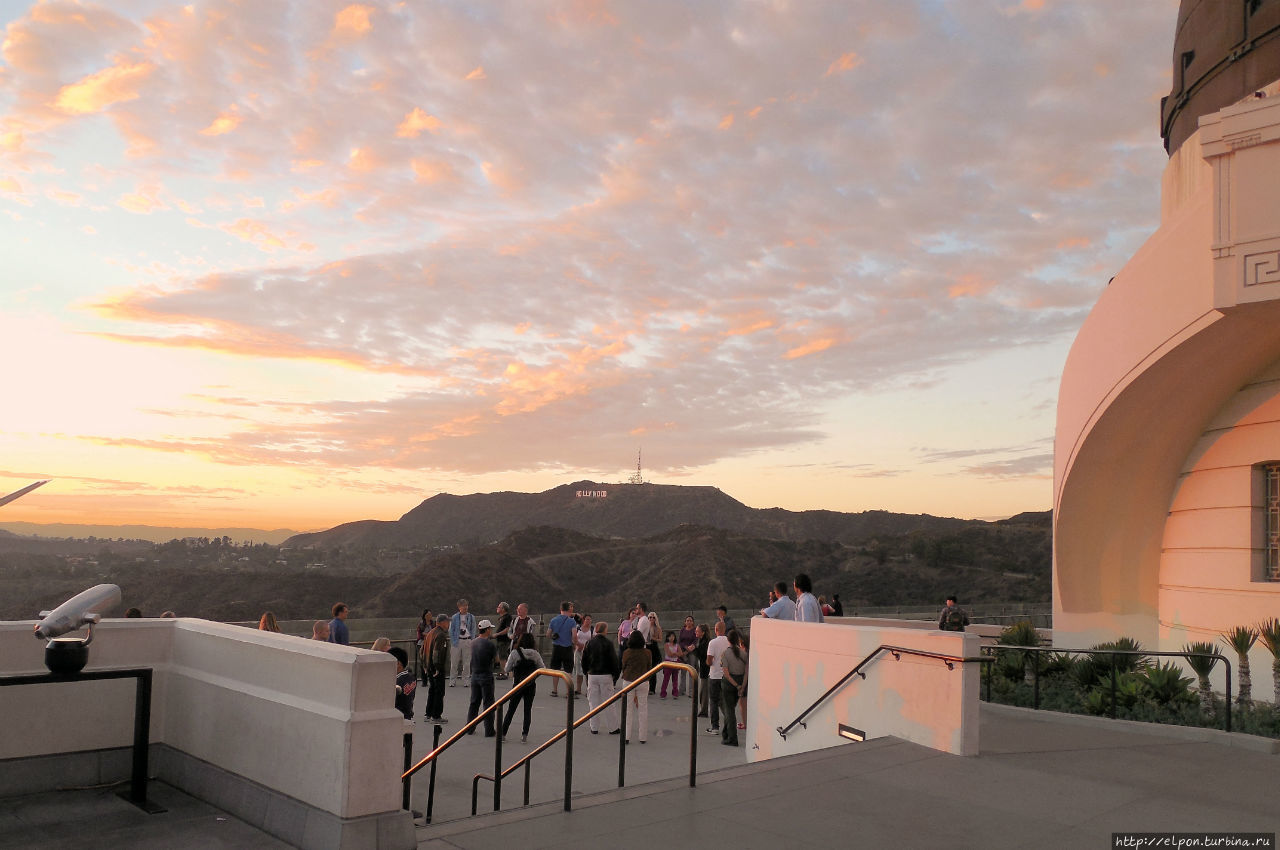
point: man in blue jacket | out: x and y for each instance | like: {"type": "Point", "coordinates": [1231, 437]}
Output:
{"type": "Point", "coordinates": [561, 630]}
{"type": "Point", "coordinates": [462, 630]}
{"type": "Point", "coordinates": [338, 625]}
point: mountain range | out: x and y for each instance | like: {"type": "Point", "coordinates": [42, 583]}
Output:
{"type": "Point", "coordinates": [603, 546]}
{"type": "Point", "coordinates": [611, 510]}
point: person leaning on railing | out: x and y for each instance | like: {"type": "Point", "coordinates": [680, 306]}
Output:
{"type": "Point", "coordinates": [807, 608]}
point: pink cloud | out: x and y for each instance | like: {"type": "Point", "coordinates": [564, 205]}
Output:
{"type": "Point", "coordinates": [353, 20]}
{"type": "Point", "coordinates": [846, 62]}
{"type": "Point", "coordinates": [105, 88]}
{"type": "Point", "coordinates": [415, 122]}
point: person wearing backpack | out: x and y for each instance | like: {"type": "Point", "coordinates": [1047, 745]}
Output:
{"type": "Point", "coordinates": [521, 663]}
{"type": "Point", "coordinates": [953, 618]}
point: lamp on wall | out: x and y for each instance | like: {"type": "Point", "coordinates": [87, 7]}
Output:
{"type": "Point", "coordinates": [849, 732]}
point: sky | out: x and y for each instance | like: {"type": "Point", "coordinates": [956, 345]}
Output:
{"type": "Point", "coordinates": [290, 264]}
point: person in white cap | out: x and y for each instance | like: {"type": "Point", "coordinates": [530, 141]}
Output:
{"type": "Point", "coordinates": [483, 653]}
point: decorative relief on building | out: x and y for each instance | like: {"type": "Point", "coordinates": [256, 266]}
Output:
{"type": "Point", "coordinates": [1262, 268]}
{"type": "Point", "coordinates": [1238, 142]}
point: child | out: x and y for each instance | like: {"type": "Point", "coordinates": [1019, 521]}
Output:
{"type": "Point", "coordinates": [671, 652]}
{"type": "Point", "coordinates": [405, 684]}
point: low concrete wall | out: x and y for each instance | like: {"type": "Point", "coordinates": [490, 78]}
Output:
{"type": "Point", "coordinates": [916, 699]}
{"type": "Point", "coordinates": [309, 722]}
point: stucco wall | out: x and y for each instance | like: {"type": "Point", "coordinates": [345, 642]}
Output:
{"type": "Point", "coordinates": [917, 699]}
{"type": "Point", "coordinates": [1211, 563]}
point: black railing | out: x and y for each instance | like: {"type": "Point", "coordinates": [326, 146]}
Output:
{"type": "Point", "coordinates": [498, 775]}
{"type": "Point", "coordinates": [897, 652]}
{"type": "Point", "coordinates": [1096, 654]}
{"type": "Point", "coordinates": [496, 709]}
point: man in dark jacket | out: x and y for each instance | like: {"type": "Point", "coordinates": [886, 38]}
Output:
{"type": "Point", "coordinates": [600, 663]}
{"type": "Point", "coordinates": [953, 618]}
{"type": "Point", "coordinates": [435, 664]}
{"type": "Point", "coordinates": [483, 653]}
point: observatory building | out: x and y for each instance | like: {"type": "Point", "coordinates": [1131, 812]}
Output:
{"type": "Point", "coordinates": [1167, 449]}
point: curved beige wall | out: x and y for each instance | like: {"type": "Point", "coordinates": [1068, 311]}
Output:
{"type": "Point", "coordinates": [1158, 387]}
{"type": "Point", "coordinates": [1211, 565]}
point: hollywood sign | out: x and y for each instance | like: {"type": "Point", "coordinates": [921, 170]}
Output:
{"type": "Point", "coordinates": [593, 494]}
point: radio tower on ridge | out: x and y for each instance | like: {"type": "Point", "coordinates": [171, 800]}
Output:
{"type": "Point", "coordinates": [637, 478]}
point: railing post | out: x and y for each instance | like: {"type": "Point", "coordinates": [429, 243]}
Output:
{"type": "Point", "coordinates": [693, 729]}
{"type": "Point", "coordinates": [497, 761]}
{"type": "Point", "coordinates": [142, 739]}
{"type": "Point", "coordinates": [994, 656]}
{"type": "Point", "coordinates": [622, 742]}
{"type": "Point", "coordinates": [1035, 679]}
{"type": "Point", "coordinates": [431, 783]}
{"type": "Point", "coordinates": [1113, 686]}
{"type": "Point", "coordinates": [408, 763]}
{"type": "Point", "coordinates": [1228, 717]}
{"type": "Point", "coordinates": [568, 748]}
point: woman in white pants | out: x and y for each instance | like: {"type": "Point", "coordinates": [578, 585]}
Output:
{"type": "Point", "coordinates": [636, 661]}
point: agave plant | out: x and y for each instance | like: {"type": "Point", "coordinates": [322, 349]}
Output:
{"type": "Point", "coordinates": [1166, 685]}
{"type": "Point", "coordinates": [1085, 672]}
{"type": "Point", "coordinates": [1241, 639]}
{"type": "Point", "coordinates": [1202, 667]}
{"type": "Point", "coordinates": [1269, 634]}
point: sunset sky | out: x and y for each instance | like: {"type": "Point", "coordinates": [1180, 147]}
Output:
{"type": "Point", "coordinates": [289, 264]}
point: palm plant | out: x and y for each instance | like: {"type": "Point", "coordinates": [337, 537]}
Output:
{"type": "Point", "coordinates": [1128, 663]}
{"type": "Point", "coordinates": [1241, 639]}
{"type": "Point", "coordinates": [1202, 667]}
{"type": "Point", "coordinates": [1269, 633]}
{"type": "Point", "coordinates": [1013, 664]}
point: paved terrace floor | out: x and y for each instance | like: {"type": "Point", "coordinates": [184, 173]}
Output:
{"type": "Point", "coordinates": [1041, 781]}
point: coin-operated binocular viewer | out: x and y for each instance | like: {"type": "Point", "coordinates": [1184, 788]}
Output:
{"type": "Point", "coordinates": [65, 655]}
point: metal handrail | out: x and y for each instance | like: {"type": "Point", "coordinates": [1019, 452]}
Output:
{"type": "Point", "coordinates": [897, 652]}
{"type": "Point", "coordinates": [498, 775]}
{"type": "Point", "coordinates": [431, 757]}
{"type": "Point", "coordinates": [1004, 647]}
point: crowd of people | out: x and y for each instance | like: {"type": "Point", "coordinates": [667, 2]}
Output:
{"type": "Point", "coordinates": [476, 651]}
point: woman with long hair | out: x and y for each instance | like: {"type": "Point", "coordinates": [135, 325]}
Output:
{"type": "Point", "coordinates": [636, 661]}
{"type": "Point", "coordinates": [502, 636]}
{"type": "Point", "coordinates": [521, 663]}
{"type": "Point", "coordinates": [670, 676]}
{"type": "Point", "coordinates": [704, 670]}
{"type": "Point", "coordinates": [424, 625]}
{"type": "Point", "coordinates": [267, 622]}
{"type": "Point", "coordinates": [581, 637]}
{"type": "Point", "coordinates": [687, 640]}
{"type": "Point", "coordinates": [733, 663]}
{"type": "Point", "coordinates": [654, 645]}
